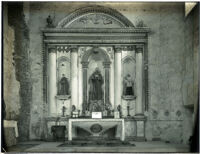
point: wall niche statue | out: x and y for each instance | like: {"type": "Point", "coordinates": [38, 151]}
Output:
{"type": "Point", "coordinates": [63, 86]}
{"type": "Point", "coordinates": [128, 86]}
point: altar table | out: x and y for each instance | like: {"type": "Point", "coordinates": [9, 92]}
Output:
{"type": "Point", "coordinates": [71, 121]}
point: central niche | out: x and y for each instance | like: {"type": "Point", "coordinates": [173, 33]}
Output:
{"type": "Point", "coordinates": [96, 88]}
{"type": "Point", "coordinates": [96, 70]}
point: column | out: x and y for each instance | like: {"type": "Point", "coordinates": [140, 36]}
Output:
{"type": "Point", "coordinates": [74, 76]}
{"type": "Point", "coordinates": [52, 80]}
{"type": "Point", "coordinates": [84, 67]}
{"type": "Point", "coordinates": [139, 80]}
{"type": "Point", "coordinates": [139, 117]}
{"type": "Point", "coordinates": [117, 77]}
{"type": "Point", "coordinates": [107, 82]}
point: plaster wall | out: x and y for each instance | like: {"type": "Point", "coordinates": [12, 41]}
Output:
{"type": "Point", "coordinates": [166, 57]}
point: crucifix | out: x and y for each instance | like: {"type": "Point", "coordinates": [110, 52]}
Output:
{"type": "Point", "coordinates": [128, 109]}
{"type": "Point", "coordinates": [63, 108]}
{"type": "Point", "coordinates": [63, 111]}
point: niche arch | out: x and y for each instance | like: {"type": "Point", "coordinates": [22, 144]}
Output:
{"type": "Point", "coordinates": [129, 61]}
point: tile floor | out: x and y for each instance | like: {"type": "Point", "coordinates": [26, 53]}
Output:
{"type": "Point", "coordinates": [150, 146]}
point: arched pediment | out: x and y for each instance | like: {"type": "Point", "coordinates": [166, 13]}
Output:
{"type": "Point", "coordinates": [95, 17]}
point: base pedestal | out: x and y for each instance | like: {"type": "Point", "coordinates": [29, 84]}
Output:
{"type": "Point", "coordinates": [140, 127]}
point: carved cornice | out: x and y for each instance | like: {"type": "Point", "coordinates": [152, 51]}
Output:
{"type": "Point", "coordinates": [104, 42]}
{"type": "Point", "coordinates": [95, 30]}
{"type": "Point", "coordinates": [95, 9]}
{"type": "Point", "coordinates": [129, 48]}
{"type": "Point", "coordinates": [120, 48]}
{"type": "Point", "coordinates": [62, 48]}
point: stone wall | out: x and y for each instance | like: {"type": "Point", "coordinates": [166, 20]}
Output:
{"type": "Point", "coordinates": [10, 84]}
{"type": "Point", "coordinates": [22, 66]}
{"type": "Point", "coordinates": [170, 64]}
{"type": "Point", "coordinates": [190, 72]}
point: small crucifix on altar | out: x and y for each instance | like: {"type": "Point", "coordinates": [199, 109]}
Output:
{"type": "Point", "coordinates": [63, 111]}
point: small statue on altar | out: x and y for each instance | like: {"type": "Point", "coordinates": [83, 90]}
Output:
{"type": "Point", "coordinates": [128, 86]}
{"type": "Point", "coordinates": [63, 86]}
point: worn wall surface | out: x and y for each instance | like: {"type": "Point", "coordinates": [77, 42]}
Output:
{"type": "Point", "coordinates": [10, 85]}
{"type": "Point", "coordinates": [21, 64]}
{"type": "Point", "coordinates": [170, 64]}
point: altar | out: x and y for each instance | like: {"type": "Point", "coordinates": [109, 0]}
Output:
{"type": "Point", "coordinates": [96, 126]}
{"type": "Point", "coordinates": [101, 68]}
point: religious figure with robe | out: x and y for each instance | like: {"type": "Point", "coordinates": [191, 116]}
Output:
{"type": "Point", "coordinates": [128, 86]}
{"type": "Point", "coordinates": [63, 86]}
{"type": "Point", "coordinates": [95, 82]}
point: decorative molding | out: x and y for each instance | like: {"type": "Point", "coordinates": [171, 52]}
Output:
{"type": "Point", "coordinates": [63, 97]}
{"type": "Point", "coordinates": [73, 48]}
{"type": "Point", "coordinates": [94, 20]}
{"type": "Point", "coordinates": [62, 48]}
{"type": "Point", "coordinates": [118, 48]}
{"type": "Point", "coordinates": [139, 48]}
{"type": "Point", "coordinates": [95, 9]}
{"type": "Point", "coordinates": [95, 30]}
{"type": "Point", "coordinates": [52, 49]}
{"type": "Point", "coordinates": [129, 48]}
{"type": "Point", "coordinates": [91, 41]}
{"type": "Point", "coordinates": [129, 97]}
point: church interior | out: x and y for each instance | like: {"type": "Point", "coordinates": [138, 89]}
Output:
{"type": "Point", "coordinates": [100, 76]}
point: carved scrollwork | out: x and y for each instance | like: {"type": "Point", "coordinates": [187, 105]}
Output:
{"type": "Point", "coordinates": [96, 19]}
{"type": "Point", "coordinates": [124, 48]}
{"type": "Point", "coordinates": [62, 48]}
{"type": "Point", "coordinates": [118, 17]}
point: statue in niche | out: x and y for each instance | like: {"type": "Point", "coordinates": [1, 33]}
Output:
{"type": "Point", "coordinates": [96, 92]}
{"type": "Point", "coordinates": [95, 82]}
{"type": "Point", "coordinates": [128, 86]}
{"type": "Point", "coordinates": [63, 86]}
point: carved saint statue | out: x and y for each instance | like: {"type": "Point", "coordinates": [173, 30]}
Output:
{"type": "Point", "coordinates": [128, 86]}
{"type": "Point", "coordinates": [49, 22]}
{"type": "Point", "coordinates": [64, 86]}
{"type": "Point", "coordinates": [96, 81]}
